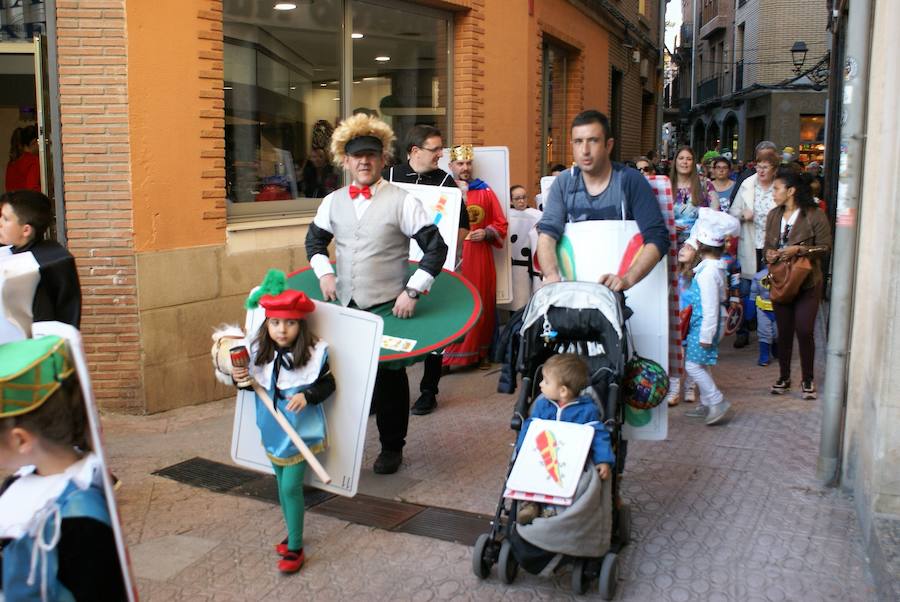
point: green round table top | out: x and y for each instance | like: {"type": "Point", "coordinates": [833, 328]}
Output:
{"type": "Point", "coordinates": [442, 317]}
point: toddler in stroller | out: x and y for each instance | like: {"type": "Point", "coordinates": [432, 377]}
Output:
{"type": "Point", "coordinates": [563, 319]}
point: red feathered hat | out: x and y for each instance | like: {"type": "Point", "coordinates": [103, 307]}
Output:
{"type": "Point", "coordinates": [289, 305]}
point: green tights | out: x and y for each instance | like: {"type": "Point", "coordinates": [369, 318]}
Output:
{"type": "Point", "coordinates": [290, 494]}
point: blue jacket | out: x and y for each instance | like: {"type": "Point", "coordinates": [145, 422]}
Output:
{"type": "Point", "coordinates": [568, 201]}
{"type": "Point", "coordinates": [580, 411]}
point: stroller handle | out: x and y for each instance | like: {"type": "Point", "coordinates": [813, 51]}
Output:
{"type": "Point", "coordinates": [518, 417]}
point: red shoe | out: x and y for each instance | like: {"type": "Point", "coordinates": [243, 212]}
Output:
{"type": "Point", "coordinates": [291, 562]}
{"type": "Point", "coordinates": [282, 548]}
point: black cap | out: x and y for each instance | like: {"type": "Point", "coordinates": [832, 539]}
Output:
{"type": "Point", "coordinates": [362, 144]}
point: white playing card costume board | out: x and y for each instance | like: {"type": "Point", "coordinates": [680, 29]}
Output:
{"type": "Point", "coordinates": [19, 277]}
{"type": "Point", "coordinates": [522, 242]}
{"type": "Point", "coordinates": [550, 462]}
{"type": "Point", "coordinates": [441, 203]}
{"type": "Point", "coordinates": [591, 249]}
{"type": "Point", "coordinates": [73, 337]}
{"type": "Point", "coordinates": [491, 164]}
{"type": "Point", "coordinates": [354, 339]}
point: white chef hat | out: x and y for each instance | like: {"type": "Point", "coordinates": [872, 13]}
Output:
{"type": "Point", "coordinates": [713, 227]}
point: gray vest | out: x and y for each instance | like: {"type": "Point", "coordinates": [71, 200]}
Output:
{"type": "Point", "coordinates": [372, 253]}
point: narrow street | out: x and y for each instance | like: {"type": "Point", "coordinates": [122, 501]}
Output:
{"type": "Point", "coordinates": [720, 513]}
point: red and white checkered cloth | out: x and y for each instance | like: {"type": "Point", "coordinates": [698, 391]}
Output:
{"type": "Point", "coordinates": [663, 189]}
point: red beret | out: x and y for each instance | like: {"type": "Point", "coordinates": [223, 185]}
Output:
{"type": "Point", "coordinates": [289, 305]}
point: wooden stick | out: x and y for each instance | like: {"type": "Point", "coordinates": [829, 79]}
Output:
{"type": "Point", "coordinates": [295, 438]}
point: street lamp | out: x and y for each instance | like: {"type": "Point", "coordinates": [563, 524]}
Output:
{"type": "Point", "coordinates": [798, 55]}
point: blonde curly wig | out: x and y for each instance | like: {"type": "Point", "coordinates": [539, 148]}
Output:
{"type": "Point", "coordinates": [360, 125]}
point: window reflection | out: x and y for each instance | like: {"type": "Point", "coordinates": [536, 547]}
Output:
{"type": "Point", "coordinates": [283, 80]}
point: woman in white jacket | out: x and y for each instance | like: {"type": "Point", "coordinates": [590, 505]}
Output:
{"type": "Point", "coordinates": [751, 206]}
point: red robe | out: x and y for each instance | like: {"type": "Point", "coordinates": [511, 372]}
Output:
{"type": "Point", "coordinates": [478, 268]}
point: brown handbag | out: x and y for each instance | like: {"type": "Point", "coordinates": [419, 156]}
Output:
{"type": "Point", "coordinates": [787, 275]}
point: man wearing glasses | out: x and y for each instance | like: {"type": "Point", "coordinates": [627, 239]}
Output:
{"type": "Point", "coordinates": [424, 147]}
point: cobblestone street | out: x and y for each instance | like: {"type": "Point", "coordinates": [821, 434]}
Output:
{"type": "Point", "coordinates": [720, 513]}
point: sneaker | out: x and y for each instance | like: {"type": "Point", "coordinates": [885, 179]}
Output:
{"type": "Point", "coordinates": [808, 389]}
{"type": "Point", "coordinates": [425, 404]}
{"type": "Point", "coordinates": [700, 411]}
{"type": "Point", "coordinates": [388, 462]}
{"type": "Point", "coordinates": [690, 396]}
{"type": "Point", "coordinates": [528, 511]}
{"type": "Point", "coordinates": [717, 413]}
{"type": "Point", "coordinates": [291, 562]}
{"type": "Point", "coordinates": [741, 340]}
{"type": "Point", "coordinates": [781, 386]}
{"type": "Point", "coordinates": [282, 548]}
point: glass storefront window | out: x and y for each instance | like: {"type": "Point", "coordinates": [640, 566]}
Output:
{"type": "Point", "coordinates": [285, 71]}
{"type": "Point", "coordinates": [400, 67]}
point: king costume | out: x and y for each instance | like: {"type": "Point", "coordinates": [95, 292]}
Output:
{"type": "Point", "coordinates": [371, 227]}
{"type": "Point", "coordinates": [478, 267]}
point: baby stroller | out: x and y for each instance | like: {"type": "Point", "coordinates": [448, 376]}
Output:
{"type": "Point", "coordinates": [587, 319]}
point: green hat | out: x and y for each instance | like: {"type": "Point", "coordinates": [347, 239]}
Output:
{"type": "Point", "coordinates": [709, 156]}
{"type": "Point", "coordinates": [30, 371]}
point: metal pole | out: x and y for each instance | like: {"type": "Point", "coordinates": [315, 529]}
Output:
{"type": "Point", "coordinates": [693, 57]}
{"type": "Point", "coordinates": [853, 148]}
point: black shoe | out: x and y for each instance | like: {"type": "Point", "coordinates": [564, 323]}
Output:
{"type": "Point", "coordinates": [781, 387]}
{"type": "Point", "coordinates": [741, 340]}
{"type": "Point", "coordinates": [388, 462]}
{"type": "Point", "coordinates": [425, 404]}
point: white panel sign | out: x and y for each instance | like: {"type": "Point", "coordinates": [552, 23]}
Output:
{"type": "Point", "coordinates": [551, 458]}
{"type": "Point", "coordinates": [354, 341]}
{"type": "Point", "coordinates": [491, 164]}
{"type": "Point", "coordinates": [594, 248]}
{"type": "Point", "coordinates": [441, 203]}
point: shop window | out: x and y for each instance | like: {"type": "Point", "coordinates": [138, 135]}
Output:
{"type": "Point", "coordinates": [292, 75]}
{"type": "Point", "coordinates": [555, 130]}
{"type": "Point", "coordinates": [812, 138]}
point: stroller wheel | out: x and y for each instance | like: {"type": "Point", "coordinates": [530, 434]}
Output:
{"type": "Point", "coordinates": [623, 530]}
{"type": "Point", "coordinates": [580, 578]}
{"type": "Point", "coordinates": [609, 576]}
{"type": "Point", "coordinates": [508, 565]}
{"type": "Point", "coordinates": [481, 560]}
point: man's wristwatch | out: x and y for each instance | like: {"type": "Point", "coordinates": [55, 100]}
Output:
{"type": "Point", "coordinates": [412, 293]}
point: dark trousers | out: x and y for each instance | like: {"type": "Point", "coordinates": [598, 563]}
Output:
{"type": "Point", "coordinates": [432, 375]}
{"type": "Point", "coordinates": [391, 401]}
{"type": "Point", "coordinates": [799, 317]}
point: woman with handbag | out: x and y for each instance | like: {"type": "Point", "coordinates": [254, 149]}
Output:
{"type": "Point", "coordinates": [797, 238]}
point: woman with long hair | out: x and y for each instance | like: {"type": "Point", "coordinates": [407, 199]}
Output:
{"type": "Point", "coordinates": [690, 192]}
{"type": "Point", "coordinates": [793, 227]}
{"type": "Point", "coordinates": [24, 172]}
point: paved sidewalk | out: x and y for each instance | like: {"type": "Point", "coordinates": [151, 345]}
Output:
{"type": "Point", "coordinates": [720, 513]}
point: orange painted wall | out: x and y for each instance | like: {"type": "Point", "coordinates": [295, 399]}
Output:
{"type": "Point", "coordinates": [165, 105]}
{"type": "Point", "coordinates": [512, 74]}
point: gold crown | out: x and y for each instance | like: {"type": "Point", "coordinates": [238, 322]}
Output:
{"type": "Point", "coordinates": [462, 152]}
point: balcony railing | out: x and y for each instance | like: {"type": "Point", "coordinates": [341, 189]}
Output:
{"type": "Point", "coordinates": [739, 76]}
{"type": "Point", "coordinates": [710, 89]}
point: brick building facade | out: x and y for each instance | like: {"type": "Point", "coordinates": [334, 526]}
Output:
{"type": "Point", "coordinates": [737, 80]}
{"type": "Point", "coordinates": [144, 95]}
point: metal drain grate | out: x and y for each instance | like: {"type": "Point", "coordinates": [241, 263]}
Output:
{"type": "Point", "coordinates": [401, 517]}
{"type": "Point", "coordinates": [448, 525]}
{"type": "Point", "coordinates": [214, 476]}
{"type": "Point", "coordinates": [369, 511]}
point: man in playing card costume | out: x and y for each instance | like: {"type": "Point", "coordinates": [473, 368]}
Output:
{"type": "Point", "coordinates": [371, 222]}
{"type": "Point", "coordinates": [487, 230]}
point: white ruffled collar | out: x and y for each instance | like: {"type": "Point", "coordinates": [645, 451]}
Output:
{"type": "Point", "coordinates": [30, 493]}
